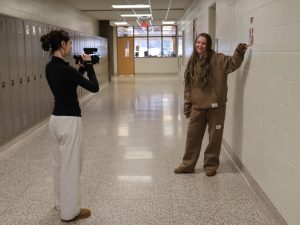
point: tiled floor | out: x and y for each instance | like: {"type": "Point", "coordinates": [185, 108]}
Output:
{"type": "Point", "coordinates": [134, 136]}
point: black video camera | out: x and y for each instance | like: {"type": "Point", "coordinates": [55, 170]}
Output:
{"type": "Point", "coordinates": [93, 52]}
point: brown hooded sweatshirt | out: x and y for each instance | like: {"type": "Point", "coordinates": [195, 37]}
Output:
{"type": "Point", "coordinates": [215, 93]}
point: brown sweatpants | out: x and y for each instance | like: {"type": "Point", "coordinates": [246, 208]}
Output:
{"type": "Point", "coordinates": [196, 129]}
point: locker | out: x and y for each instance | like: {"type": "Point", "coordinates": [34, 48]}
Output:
{"type": "Point", "coordinates": [7, 126]}
{"type": "Point", "coordinates": [80, 48]}
{"type": "Point", "coordinates": [71, 33]}
{"type": "Point", "coordinates": [25, 97]}
{"type": "Point", "coordinates": [29, 73]}
{"type": "Point", "coordinates": [69, 58]}
{"type": "Point", "coordinates": [88, 42]}
{"type": "Point", "coordinates": [49, 101]}
{"type": "Point", "coordinates": [1, 83]}
{"type": "Point", "coordinates": [22, 73]}
{"type": "Point", "coordinates": [78, 42]}
{"type": "Point", "coordinates": [74, 44]}
{"type": "Point", "coordinates": [77, 37]}
{"type": "Point", "coordinates": [13, 71]}
{"type": "Point", "coordinates": [36, 80]}
{"type": "Point", "coordinates": [76, 51]}
{"type": "Point", "coordinates": [40, 74]}
{"type": "Point", "coordinates": [85, 45]}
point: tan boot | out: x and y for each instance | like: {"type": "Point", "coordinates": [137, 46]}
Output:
{"type": "Point", "coordinates": [210, 173]}
{"type": "Point", "coordinates": [84, 213]}
{"type": "Point", "coordinates": [180, 170]}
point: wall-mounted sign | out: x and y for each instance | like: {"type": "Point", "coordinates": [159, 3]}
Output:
{"type": "Point", "coordinates": [127, 50]}
{"type": "Point", "coordinates": [251, 31]}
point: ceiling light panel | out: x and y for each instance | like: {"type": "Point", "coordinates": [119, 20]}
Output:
{"type": "Point", "coordinates": [131, 6]}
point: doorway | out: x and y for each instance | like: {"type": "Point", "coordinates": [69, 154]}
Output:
{"type": "Point", "coordinates": [125, 56]}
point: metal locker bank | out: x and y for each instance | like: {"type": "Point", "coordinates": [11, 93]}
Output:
{"type": "Point", "coordinates": [25, 97]}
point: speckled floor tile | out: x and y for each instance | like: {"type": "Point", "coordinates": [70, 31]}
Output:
{"type": "Point", "coordinates": [134, 137]}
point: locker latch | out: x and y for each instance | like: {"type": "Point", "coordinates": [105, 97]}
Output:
{"type": "Point", "coordinates": [3, 84]}
{"type": "Point", "coordinates": [34, 77]}
{"type": "Point", "coordinates": [28, 79]}
{"type": "Point", "coordinates": [41, 76]}
{"type": "Point", "coordinates": [21, 81]}
{"type": "Point", "coordinates": [12, 82]}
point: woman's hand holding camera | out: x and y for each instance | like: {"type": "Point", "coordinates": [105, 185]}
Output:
{"type": "Point", "coordinates": [85, 58]}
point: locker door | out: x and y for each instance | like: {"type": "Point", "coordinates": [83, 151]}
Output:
{"type": "Point", "coordinates": [1, 88]}
{"type": "Point", "coordinates": [80, 48]}
{"type": "Point", "coordinates": [29, 73]}
{"type": "Point", "coordinates": [35, 67]}
{"type": "Point", "coordinates": [77, 37]}
{"type": "Point", "coordinates": [7, 124]}
{"type": "Point", "coordinates": [22, 73]}
{"type": "Point", "coordinates": [74, 43]}
{"type": "Point", "coordinates": [13, 71]}
{"type": "Point", "coordinates": [45, 88]}
{"type": "Point", "coordinates": [85, 45]}
{"type": "Point", "coordinates": [40, 74]}
{"type": "Point", "coordinates": [49, 100]}
{"type": "Point", "coordinates": [69, 58]}
{"type": "Point", "coordinates": [71, 33]}
{"type": "Point", "coordinates": [86, 40]}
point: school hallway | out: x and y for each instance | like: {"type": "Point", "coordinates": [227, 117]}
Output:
{"type": "Point", "coordinates": [154, 62]}
{"type": "Point", "coordinates": [134, 136]}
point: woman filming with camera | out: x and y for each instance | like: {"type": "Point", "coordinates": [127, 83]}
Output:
{"type": "Point", "coordinates": [65, 122]}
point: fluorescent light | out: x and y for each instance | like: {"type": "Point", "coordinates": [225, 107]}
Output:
{"type": "Point", "coordinates": [136, 15]}
{"type": "Point", "coordinates": [121, 23]}
{"type": "Point", "coordinates": [168, 22]}
{"type": "Point", "coordinates": [139, 6]}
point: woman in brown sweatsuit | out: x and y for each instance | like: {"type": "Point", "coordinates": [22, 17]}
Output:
{"type": "Point", "coordinates": [205, 97]}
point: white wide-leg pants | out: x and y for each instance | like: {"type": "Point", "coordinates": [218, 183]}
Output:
{"type": "Point", "coordinates": [67, 134]}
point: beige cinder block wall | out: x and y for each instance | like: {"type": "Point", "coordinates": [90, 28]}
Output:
{"type": "Point", "coordinates": [263, 112]}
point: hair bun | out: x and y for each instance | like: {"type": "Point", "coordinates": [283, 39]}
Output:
{"type": "Point", "coordinates": [52, 41]}
{"type": "Point", "coordinates": [46, 40]}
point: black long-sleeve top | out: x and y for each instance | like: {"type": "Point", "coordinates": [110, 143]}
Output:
{"type": "Point", "coordinates": [64, 80]}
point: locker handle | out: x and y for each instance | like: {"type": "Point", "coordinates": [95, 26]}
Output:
{"type": "Point", "coordinates": [3, 84]}
{"type": "Point", "coordinates": [28, 79]}
{"type": "Point", "coordinates": [41, 76]}
{"type": "Point", "coordinates": [21, 81]}
{"type": "Point", "coordinates": [12, 82]}
{"type": "Point", "coordinates": [34, 77]}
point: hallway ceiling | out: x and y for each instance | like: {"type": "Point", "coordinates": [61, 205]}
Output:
{"type": "Point", "coordinates": [102, 9]}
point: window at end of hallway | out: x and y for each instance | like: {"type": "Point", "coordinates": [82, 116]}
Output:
{"type": "Point", "coordinates": [153, 41]}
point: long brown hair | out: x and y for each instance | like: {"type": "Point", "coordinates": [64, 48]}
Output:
{"type": "Point", "coordinates": [189, 74]}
